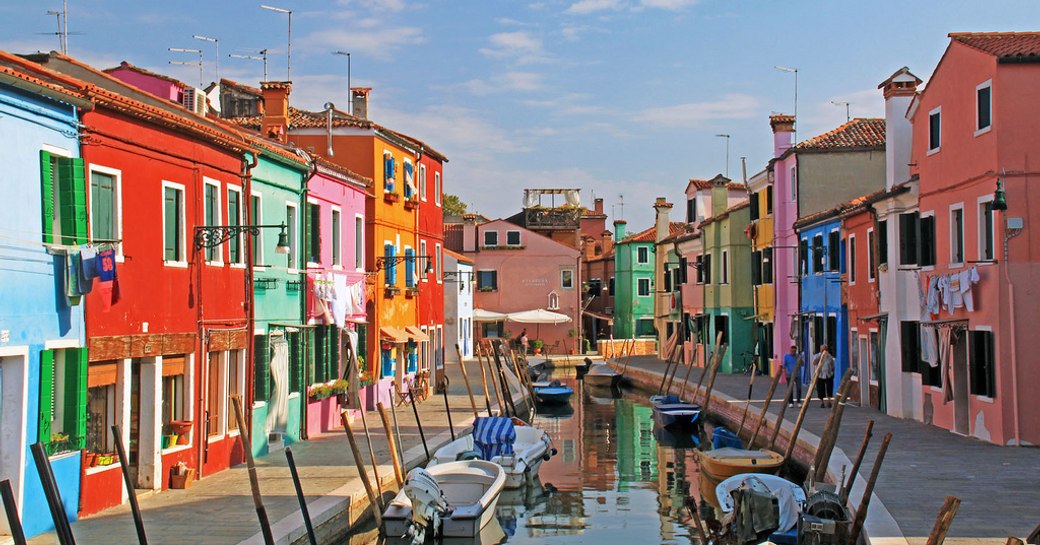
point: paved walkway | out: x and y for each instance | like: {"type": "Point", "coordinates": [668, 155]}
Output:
{"type": "Point", "coordinates": [219, 509]}
{"type": "Point", "coordinates": [999, 486]}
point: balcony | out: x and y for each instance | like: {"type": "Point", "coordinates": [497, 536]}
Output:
{"type": "Point", "coordinates": [567, 217]}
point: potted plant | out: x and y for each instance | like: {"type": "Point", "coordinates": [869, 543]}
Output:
{"type": "Point", "coordinates": [90, 459]}
{"type": "Point", "coordinates": [181, 428]}
{"type": "Point", "coordinates": [537, 346]}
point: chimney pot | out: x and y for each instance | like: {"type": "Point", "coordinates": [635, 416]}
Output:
{"type": "Point", "coordinates": [359, 97]}
{"type": "Point", "coordinates": [275, 123]}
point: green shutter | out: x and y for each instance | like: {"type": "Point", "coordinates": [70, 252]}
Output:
{"type": "Point", "coordinates": [294, 361]}
{"type": "Point", "coordinates": [72, 198]}
{"type": "Point", "coordinates": [261, 368]}
{"type": "Point", "coordinates": [102, 198]}
{"type": "Point", "coordinates": [319, 361]}
{"type": "Point", "coordinates": [333, 351]}
{"type": "Point", "coordinates": [46, 395]}
{"type": "Point", "coordinates": [47, 197]}
{"type": "Point", "coordinates": [75, 417]}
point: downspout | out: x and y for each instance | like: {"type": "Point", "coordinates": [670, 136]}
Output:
{"type": "Point", "coordinates": [198, 259]}
{"type": "Point", "coordinates": [1011, 327]}
{"type": "Point", "coordinates": [247, 185]}
{"type": "Point", "coordinates": [303, 290]}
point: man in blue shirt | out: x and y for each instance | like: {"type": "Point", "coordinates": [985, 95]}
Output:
{"type": "Point", "coordinates": [790, 363]}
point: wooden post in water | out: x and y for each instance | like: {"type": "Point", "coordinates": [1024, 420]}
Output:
{"type": "Point", "coordinates": [447, 411]}
{"type": "Point", "coordinates": [371, 450]}
{"type": "Point", "coordinates": [397, 428]}
{"type": "Point", "coordinates": [696, 518]}
{"type": "Point", "coordinates": [53, 495]}
{"type": "Point", "coordinates": [784, 402]}
{"type": "Point", "coordinates": [418, 422]}
{"type": "Point", "coordinates": [709, 367]}
{"type": "Point", "coordinates": [747, 405]}
{"type": "Point", "coordinates": [373, 496]}
{"type": "Point", "coordinates": [719, 353]}
{"type": "Point", "coordinates": [465, 379]}
{"type": "Point", "coordinates": [254, 483]}
{"type": "Point", "coordinates": [847, 487]}
{"type": "Point", "coordinates": [861, 512]}
{"type": "Point", "coordinates": [299, 496]}
{"type": "Point", "coordinates": [124, 467]}
{"type": "Point", "coordinates": [483, 379]}
{"type": "Point", "coordinates": [11, 509]}
{"type": "Point", "coordinates": [686, 378]}
{"type": "Point", "coordinates": [765, 408]}
{"type": "Point", "coordinates": [801, 415]}
{"type": "Point", "coordinates": [499, 398]}
{"type": "Point", "coordinates": [507, 394]}
{"type": "Point", "coordinates": [830, 431]}
{"type": "Point", "coordinates": [944, 520]}
{"type": "Point", "coordinates": [398, 472]}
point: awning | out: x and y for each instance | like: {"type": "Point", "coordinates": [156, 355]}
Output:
{"type": "Point", "coordinates": [757, 316]}
{"type": "Point", "coordinates": [873, 317]}
{"type": "Point", "coordinates": [481, 315]}
{"type": "Point", "coordinates": [417, 334]}
{"type": "Point", "coordinates": [605, 317]}
{"type": "Point", "coordinates": [393, 334]}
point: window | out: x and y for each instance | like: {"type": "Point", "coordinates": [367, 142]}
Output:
{"type": "Point", "coordinates": [803, 256]}
{"type": "Point", "coordinates": [512, 238]}
{"type": "Point", "coordinates": [337, 258]}
{"type": "Point", "coordinates": [258, 238]}
{"type": "Point", "coordinates": [422, 182]}
{"type": "Point", "coordinates": [818, 253]}
{"type": "Point", "coordinates": [211, 216]}
{"type": "Point", "coordinates": [359, 242]}
{"type": "Point", "coordinates": [683, 271]}
{"type": "Point", "coordinates": [409, 267]}
{"type": "Point", "coordinates": [102, 378]}
{"type": "Point", "coordinates": [934, 128]}
{"type": "Point", "coordinates": [234, 213]}
{"type": "Point", "coordinates": [64, 199]}
{"type": "Point", "coordinates": [645, 328]}
{"type": "Point", "coordinates": [438, 270]}
{"type": "Point", "coordinates": [871, 261]}
{"type": "Point", "coordinates": [388, 172]}
{"type": "Point", "coordinates": [487, 280]}
{"type": "Point", "coordinates": [643, 287]}
{"type": "Point", "coordinates": [567, 279]}
{"type": "Point", "coordinates": [833, 251]}
{"type": "Point", "coordinates": [852, 261]}
{"type": "Point", "coordinates": [883, 242]}
{"type": "Point", "coordinates": [437, 188]}
{"type": "Point", "coordinates": [175, 395]}
{"type": "Point", "coordinates": [986, 231]}
{"type": "Point", "coordinates": [753, 208]}
{"type": "Point", "coordinates": [957, 235]}
{"type": "Point", "coordinates": [313, 227]}
{"type": "Point", "coordinates": [794, 185]}
{"type": "Point", "coordinates": [215, 394]}
{"type": "Point", "coordinates": [490, 238]}
{"type": "Point", "coordinates": [173, 223]}
{"type": "Point", "coordinates": [290, 221]}
{"type": "Point", "coordinates": [767, 266]}
{"type": "Point", "coordinates": [642, 255]}
{"type": "Point", "coordinates": [596, 287]}
{"type": "Point", "coordinates": [926, 240]}
{"type": "Point", "coordinates": [725, 267]}
{"type": "Point", "coordinates": [983, 381]}
{"type": "Point", "coordinates": [409, 180]}
{"type": "Point", "coordinates": [722, 326]}
{"type": "Point", "coordinates": [769, 199]}
{"type": "Point", "coordinates": [691, 210]}
{"type": "Point", "coordinates": [699, 263]}
{"type": "Point", "coordinates": [910, 346]}
{"type": "Point", "coordinates": [909, 243]}
{"type": "Point", "coordinates": [984, 107]}
{"type": "Point", "coordinates": [707, 268]}
{"type": "Point", "coordinates": [756, 268]}
{"type": "Point", "coordinates": [390, 264]}
{"type": "Point", "coordinates": [422, 251]}
{"type": "Point", "coordinates": [667, 279]}
{"type": "Point", "coordinates": [104, 205]}
{"type": "Point", "coordinates": [63, 399]}
{"type": "Point", "coordinates": [610, 287]}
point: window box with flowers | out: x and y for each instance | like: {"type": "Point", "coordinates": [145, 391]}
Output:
{"type": "Point", "coordinates": [327, 389]}
{"type": "Point", "coordinates": [391, 291]}
{"type": "Point", "coordinates": [391, 197]}
{"type": "Point", "coordinates": [411, 291]}
{"type": "Point", "coordinates": [411, 203]}
{"type": "Point", "coordinates": [61, 443]}
{"type": "Point", "coordinates": [487, 289]}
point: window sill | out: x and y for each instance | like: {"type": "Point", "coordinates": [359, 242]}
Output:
{"type": "Point", "coordinates": [238, 266]}
{"type": "Point", "coordinates": [176, 264]}
{"type": "Point", "coordinates": [985, 263]}
{"type": "Point", "coordinates": [172, 450]}
{"type": "Point", "coordinates": [337, 267]}
{"type": "Point", "coordinates": [101, 469]}
{"type": "Point", "coordinates": [983, 131]}
{"type": "Point", "coordinates": [215, 263]}
{"type": "Point", "coordinates": [985, 399]}
{"type": "Point", "coordinates": [215, 438]}
{"type": "Point", "coordinates": [313, 265]}
{"type": "Point", "coordinates": [934, 151]}
{"type": "Point", "coordinates": [935, 389]}
{"type": "Point", "coordinates": [63, 455]}
{"type": "Point", "coordinates": [955, 265]}
{"type": "Point", "coordinates": [259, 268]}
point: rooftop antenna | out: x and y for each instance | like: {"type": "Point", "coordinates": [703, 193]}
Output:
{"type": "Point", "coordinates": [795, 72]}
{"type": "Point", "coordinates": [216, 54]}
{"type": "Point", "coordinates": [288, 51]}
{"type": "Point", "coordinates": [263, 57]}
{"type": "Point", "coordinates": [60, 33]}
{"type": "Point", "coordinates": [621, 205]}
{"type": "Point", "coordinates": [743, 168]}
{"type": "Point", "coordinates": [187, 50]}
{"type": "Point", "coordinates": [848, 117]}
{"type": "Point", "coordinates": [350, 104]}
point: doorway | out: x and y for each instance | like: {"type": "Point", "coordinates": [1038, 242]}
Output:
{"type": "Point", "coordinates": [961, 414]}
{"type": "Point", "coordinates": [13, 387]}
{"type": "Point", "coordinates": [135, 420]}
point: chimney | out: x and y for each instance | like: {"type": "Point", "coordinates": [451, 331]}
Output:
{"type": "Point", "coordinates": [359, 96]}
{"type": "Point", "coordinates": [608, 242]}
{"type": "Point", "coordinates": [469, 233]}
{"type": "Point", "coordinates": [275, 123]}
{"type": "Point", "coordinates": [899, 90]}
{"type": "Point", "coordinates": [783, 133]}
{"type": "Point", "coordinates": [597, 205]}
{"type": "Point", "coordinates": [719, 195]}
{"type": "Point", "coordinates": [619, 230]}
{"type": "Point", "coordinates": [662, 211]}
{"type": "Point", "coordinates": [588, 246]}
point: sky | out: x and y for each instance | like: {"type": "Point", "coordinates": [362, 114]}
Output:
{"type": "Point", "coordinates": [620, 98]}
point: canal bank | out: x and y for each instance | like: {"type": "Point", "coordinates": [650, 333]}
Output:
{"type": "Point", "coordinates": [999, 486]}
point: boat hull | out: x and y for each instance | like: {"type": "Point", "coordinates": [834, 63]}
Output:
{"type": "Point", "coordinates": [604, 381]}
{"type": "Point", "coordinates": [677, 416]}
{"type": "Point", "coordinates": [553, 395]}
{"type": "Point", "coordinates": [720, 469]}
{"type": "Point", "coordinates": [468, 515]}
{"type": "Point", "coordinates": [529, 451]}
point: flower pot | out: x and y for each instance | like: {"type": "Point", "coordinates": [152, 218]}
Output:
{"type": "Point", "coordinates": [90, 459]}
{"type": "Point", "coordinates": [181, 428]}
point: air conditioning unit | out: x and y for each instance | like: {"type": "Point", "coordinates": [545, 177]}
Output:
{"type": "Point", "coordinates": [195, 100]}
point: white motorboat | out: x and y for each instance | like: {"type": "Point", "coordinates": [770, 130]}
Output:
{"type": "Point", "coordinates": [520, 450]}
{"type": "Point", "coordinates": [790, 497]}
{"type": "Point", "coordinates": [454, 499]}
{"type": "Point", "coordinates": [603, 375]}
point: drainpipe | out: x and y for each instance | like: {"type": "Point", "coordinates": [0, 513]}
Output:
{"type": "Point", "coordinates": [1011, 327]}
{"type": "Point", "coordinates": [303, 290]}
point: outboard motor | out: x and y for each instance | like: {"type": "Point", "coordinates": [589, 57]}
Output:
{"type": "Point", "coordinates": [427, 503]}
{"type": "Point", "coordinates": [824, 521]}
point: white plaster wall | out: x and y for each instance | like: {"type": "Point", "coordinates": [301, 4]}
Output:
{"type": "Point", "coordinates": [149, 445]}
{"type": "Point", "coordinates": [14, 389]}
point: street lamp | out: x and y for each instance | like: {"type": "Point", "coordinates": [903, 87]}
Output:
{"type": "Point", "coordinates": [848, 117]}
{"type": "Point", "coordinates": [288, 51]}
{"type": "Point", "coordinates": [216, 54]}
{"type": "Point", "coordinates": [385, 261]}
{"type": "Point", "coordinates": [795, 72]}
{"type": "Point", "coordinates": [726, 136]}
{"type": "Point", "coordinates": [350, 105]}
{"type": "Point", "coordinates": [263, 57]}
{"type": "Point", "coordinates": [183, 50]}
{"type": "Point", "coordinates": [210, 236]}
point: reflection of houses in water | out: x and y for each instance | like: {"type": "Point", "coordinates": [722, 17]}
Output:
{"type": "Point", "coordinates": [565, 470]}
{"type": "Point", "coordinates": [600, 437]}
{"type": "Point", "coordinates": [636, 449]}
{"type": "Point", "coordinates": [677, 468]}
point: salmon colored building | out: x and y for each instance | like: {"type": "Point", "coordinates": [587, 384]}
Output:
{"type": "Point", "coordinates": [976, 132]}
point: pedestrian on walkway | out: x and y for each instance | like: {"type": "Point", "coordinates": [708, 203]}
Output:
{"type": "Point", "coordinates": [789, 364]}
{"type": "Point", "coordinates": [523, 340]}
{"type": "Point", "coordinates": [825, 384]}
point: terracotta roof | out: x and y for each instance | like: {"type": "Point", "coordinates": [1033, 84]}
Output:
{"type": "Point", "coordinates": [706, 184]}
{"type": "Point", "coordinates": [244, 88]}
{"type": "Point", "coordinates": [303, 119]}
{"type": "Point", "coordinates": [422, 145]}
{"type": "Point", "coordinates": [850, 206]}
{"type": "Point", "coordinates": [127, 66]}
{"type": "Point", "coordinates": [56, 85]}
{"type": "Point", "coordinates": [683, 236]}
{"type": "Point", "coordinates": [650, 235]}
{"type": "Point", "coordinates": [343, 171]}
{"type": "Point", "coordinates": [742, 204]}
{"type": "Point", "coordinates": [1003, 45]}
{"type": "Point", "coordinates": [458, 256]}
{"type": "Point", "coordinates": [859, 133]}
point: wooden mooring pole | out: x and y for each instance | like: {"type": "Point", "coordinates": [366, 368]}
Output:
{"type": "Point", "coordinates": [299, 495]}
{"type": "Point", "coordinates": [847, 488]}
{"type": "Point", "coordinates": [373, 496]}
{"type": "Point", "coordinates": [765, 407]}
{"type": "Point", "coordinates": [11, 509]}
{"type": "Point", "coordinates": [868, 490]}
{"type": "Point", "coordinates": [465, 380]}
{"type": "Point", "coordinates": [783, 403]}
{"type": "Point", "coordinates": [944, 520]}
{"type": "Point", "coordinates": [398, 472]}
{"type": "Point", "coordinates": [830, 430]}
{"type": "Point", "coordinates": [254, 482]}
{"type": "Point", "coordinates": [793, 440]}
{"type": "Point", "coordinates": [124, 466]}
{"type": "Point", "coordinates": [689, 369]}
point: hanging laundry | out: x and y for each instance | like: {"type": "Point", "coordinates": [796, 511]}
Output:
{"type": "Point", "coordinates": [73, 264]}
{"type": "Point", "coordinates": [966, 279]}
{"type": "Point", "coordinates": [278, 406]}
{"type": "Point", "coordinates": [106, 265]}
{"type": "Point", "coordinates": [929, 345]}
{"type": "Point", "coordinates": [340, 299]}
{"type": "Point", "coordinates": [88, 271]}
{"type": "Point", "coordinates": [933, 295]}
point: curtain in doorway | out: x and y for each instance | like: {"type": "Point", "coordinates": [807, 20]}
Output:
{"type": "Point", "coordinates": [278, 406]}
{"type": "Point", "coordinates": [349, 362]}
{"type": "Point", "coordinates": [946, 338]}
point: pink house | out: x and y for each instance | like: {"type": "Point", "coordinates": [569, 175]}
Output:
{"type": "Point", "coordinates": [785, 239]}
{"type": "Point", "coordinates": [517, 269]}
{"type": "Point", "coordinates": [159, 85]}
{"type": "Point", "coordinates": [975, 139]}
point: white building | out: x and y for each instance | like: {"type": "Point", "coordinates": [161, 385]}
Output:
{"type": "Point", "coordinates": [458, 305]}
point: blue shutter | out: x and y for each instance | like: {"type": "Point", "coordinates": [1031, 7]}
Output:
{"type": "Point", "coordinates": [388, 363]}
{"type": "Point", "coordinates": [409, 268]}
{"type": "Point", "coordinates": [407, 180]}
{"type": "Point", "coordinates": [391, 265]}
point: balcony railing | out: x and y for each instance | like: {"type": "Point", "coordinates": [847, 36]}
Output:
{"type": "Point", "coordinates": [560, 217]}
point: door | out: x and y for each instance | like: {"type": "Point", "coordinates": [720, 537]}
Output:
{"type": "Point", "coordinates": [12, 429]}
{"type": "Point", "coordinates": [135, 419]}
{"type": "Point", "coordinates": [960, 382]}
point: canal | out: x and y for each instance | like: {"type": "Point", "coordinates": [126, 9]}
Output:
{"type": "Point", "coordinates": [615, 479]}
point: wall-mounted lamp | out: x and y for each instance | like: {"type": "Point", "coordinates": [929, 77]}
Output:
{"type": "Point", "coordinates": [999, 198]}
{"type": "Point", "coordinates": [209, 236]}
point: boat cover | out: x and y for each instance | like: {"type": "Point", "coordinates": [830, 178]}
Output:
{"type": "Point", "coordinates": [721, 437]}
{"type": "Point", "coordinates": [494, 436]}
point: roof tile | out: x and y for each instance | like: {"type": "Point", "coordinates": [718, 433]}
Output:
{"type": "Point", "coordinates": [650, 235]}
{"type": "Point", "coordinates": [859, 133]}
{"type": "Point", "coordinates": [1001, 44]}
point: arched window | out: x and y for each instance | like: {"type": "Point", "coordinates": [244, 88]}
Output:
{"type": "Point", "coordinates": [554, 301]}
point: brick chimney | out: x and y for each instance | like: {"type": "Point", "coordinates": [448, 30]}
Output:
{"type": "Point", "coordinates": [275, 123]}
{"type": "Point", "coordinates": [608, 242]}
{"type": "Point", "coordinates": [899, 90]}
{"type": "Point", "coordinates": [597, 205]}
{"type": "Point", "coordinates": [662, 213]}
{"type": "Point", "coordinates": [619, 230]}
{"type": "Point", "coordinates": [719, 195]}
{"type": "Point", "coordinates": [588, 247]}
{"type": "Point", "coordinates": [783, 133]}
{"type": "Point", "coordinates": [359, 96]}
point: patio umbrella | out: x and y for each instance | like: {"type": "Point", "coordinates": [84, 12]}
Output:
{"type": "Point", "coordinates": [481, 315]}
{"type": "Point", "coordinates": [538, 316]}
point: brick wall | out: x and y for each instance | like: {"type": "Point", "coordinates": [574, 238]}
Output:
{"type": "Point", "coordinates": [619, 347]}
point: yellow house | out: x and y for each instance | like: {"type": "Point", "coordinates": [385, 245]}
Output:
{"type": "Point", "coordinates": [760, 187]}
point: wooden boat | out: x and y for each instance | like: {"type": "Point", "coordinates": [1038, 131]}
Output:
{"type": "Point", "coordinates": [552, 393]}
{"type": "Point", "coordinates": [723, 463]}
{"type": "Point", "coordinates": [790, 497]}
{"type": "Point", "coordinates": [455, 499]}
{"type": "Point", "coordinates": [520, 450]}
{"type": "Point", "coordinates": [603, 375]}
{"type": "Point", "coordinates": [672, 412]}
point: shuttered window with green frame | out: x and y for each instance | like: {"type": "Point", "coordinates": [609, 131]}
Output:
{"type": "Point", "coordinates": [73, 399]}
{"type": "Point", "coordinates": [63, 194]}
{"type": "Point", "coordinates": [261, 368]}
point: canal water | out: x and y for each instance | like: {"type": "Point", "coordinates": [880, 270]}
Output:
{"type": "Point", "coordinates": [615, 479]}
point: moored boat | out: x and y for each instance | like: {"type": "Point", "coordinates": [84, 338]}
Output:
{"type": "Point", "coordinates": [552, 393]}
{"type": "Point", "coordinates": [787, 497]}
{"type": "Point", "coordinates": [603, 375]}
{"type": "Point", "coordinates": [721, 464]}
{"type": "Point", "coordinates": [520, 450]}
{"type": "Point", "coordinates": [672, 412]}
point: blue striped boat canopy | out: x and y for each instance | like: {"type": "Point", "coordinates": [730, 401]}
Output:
{"type": "Point", "coordinates": [493, 436]}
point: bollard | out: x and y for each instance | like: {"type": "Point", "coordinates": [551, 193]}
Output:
{"type": "Point", "coordinates": [686, 378]}
{"type": "Point", "coordinates": [944, 520]}
{"type": "Point", "coordinates": [783, 404]}
{"type": "Point", "coordinates": [397, 428]}
{"type": "Point", "coordinates": [855, 465]}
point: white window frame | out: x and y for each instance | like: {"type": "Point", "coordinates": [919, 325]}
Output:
{"type": "Point", "coordinates": [871, 258]}
{"type": "Point", "coordinates": [564, 271]}
{"type": "Point", "coordinates": [438, 267]}
{"type": "Point", "coordinates": [850, 259]}
{"type": "Point", "coordinates": [422, 182]}
{"type": "Point", "coordinates": [437, 188]}
{"type": "Point", "coordinates": [241, 374]}
{"type": "Point", "coordinates": [649, 287]}
{"type": "Point", "coordinates": [182, 263]}
{"type": "Point", "coordinates": [484, 242]}
{"type": "Point", "coordinates": [422, 251]}
{"type": "Point", "coordinates": [936, 111]}
{"type": "Point", "coordinates": [222, 418]}
{"type": "Point", "coordinates": [312, 202]}
{"type": "Point", "coordinates": [117, 176]}
{"type": "Point", "coordinates": [724, 268]}
{"type": "Point", "coordinates": [640, 250]}
{"type": "Point", "coordinates": [293, 259]}
{"type": "Point", "coordinates": [241, 221]}
{"type": "Point", "coordinates": [218, 255]}
{"type": "Point", "coordinates": [259, 236]}
{"type": "Point", "coordinates": [981, 234]}
{"type": "Point", "coordinates": [337, 236]}
{"type": "Point", "coordinates": [359, 242]}
{"type": "Point", "coordinates": [189, 397]}
{"type": "Point", "coordinates": [979, 87]}
{"type": "Point", "coordinates": [964, 249]}
{"type": "Point", "coordinates": [518, 235]}
{"type": "Point", "coordinates": [404, 265]}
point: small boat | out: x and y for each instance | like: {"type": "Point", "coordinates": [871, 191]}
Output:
{"type": "Point", "coordinates": [672, 412]}
{"type": "Point", "coordinates": [552, 393]}
{"type": "Point", "coordinates": [721, 464]}
{"type": "Point", "coordinates": [582, 368]}
{"type": "Point", "coordinates": [520, 450]}
{"type": "Point", "coordinates": [456, 499]}
{"type": "Point", "coordinates": [601, 374]}
{"type": "Point", "coordinates": [789, 496]}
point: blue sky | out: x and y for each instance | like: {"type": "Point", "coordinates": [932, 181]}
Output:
{"type": "Point", "coordinates": [616, 97]}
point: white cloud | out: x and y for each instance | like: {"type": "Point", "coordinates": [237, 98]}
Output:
{"type": "Point", "coordinates": [378, 43]}
{"type": "Point", "coordinates": [507, 82]}
{"type": "Point", "coordinates": [585, 7]}
{"type": "Point", "coordinates": [376, 5]}
{"type": "Point", "coordinates": [695, 114]}
{"type": "Point", "coordinates": [668, 4]}
{"type": "Point", "coordinates": [520, 46]}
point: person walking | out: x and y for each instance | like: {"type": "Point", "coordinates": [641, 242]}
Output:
{"type": "Point", "coordinates": [789, 364]}
{"type": "Point", "coordinates": [523, 340]}
{"type": "Point", "coordinates": [825, 384]}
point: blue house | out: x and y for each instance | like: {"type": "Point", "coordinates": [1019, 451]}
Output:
{"type": "Point", "coordinates": [43, 361]}
{"type": "Point", "coordinates": [824, 318]}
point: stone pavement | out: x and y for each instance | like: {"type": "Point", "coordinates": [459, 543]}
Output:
{"type": "Point", "coordinates": [219, 509]}
{"type": "Point", "coordinates": [999, 486]}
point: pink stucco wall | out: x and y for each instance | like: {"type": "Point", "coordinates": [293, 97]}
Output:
{"type": "Point", "coordinates": [785, 244]}
{"type": "Point", "coordinates": [159, 87]}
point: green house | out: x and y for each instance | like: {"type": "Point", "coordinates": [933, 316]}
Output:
{"type": "Point", "coordinates": [633, 283]}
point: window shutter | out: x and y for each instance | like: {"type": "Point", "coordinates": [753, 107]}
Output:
{"type": "Point", "coordinates": [46, 395]}
{"type": "Point", "coordinates": [75, 418]}
{"type": "Point", "coordinates": [408, 180]}
{"type": "Point", "coordinates": [667, 279]}
{"type": "Point", "coordinates": [683, 270]}
{"type": "Point", "coordinates": [47, 198]}
{"type": "Point", "coordinates": [333, 352]}
{"type": "Point", "coordinates": [390, 267]}
{"type": "Point", "coordinates": [767, 266]}
{"type": "Point", "coordinates": [308, 234]}
{"type": "Point", "coordinates": [261, 367]}
{"type": "Point", "coordinates": [295, 355]}
{"type": "Point", "coordinates": [756, 268]}
{"type": "Point", "coordinates": [409, 267]}
{"type": "Point", "coordinates": [391, 170]}
{"type": "Point", "coordinates": [319, 362]}
{"type": "Point", "coordinates": [73, 201]}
